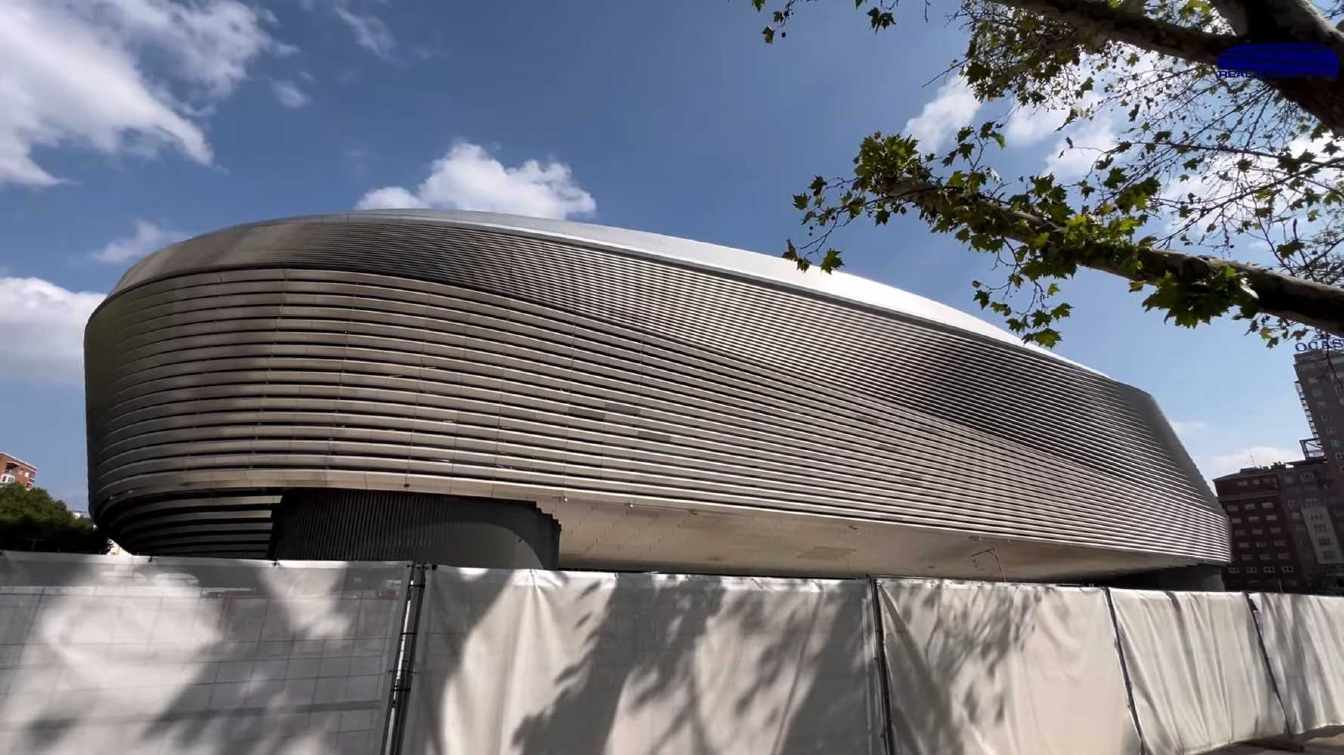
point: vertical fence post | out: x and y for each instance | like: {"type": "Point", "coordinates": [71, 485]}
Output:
{"type": "Point", "coordinates": [888, 731]}
{"type": "Point", "coordinates": [1124, 671]}
{"type": "Point", "coordinates": [1269, 667]}
{"type": "Point", "coordinates": [398, 697]}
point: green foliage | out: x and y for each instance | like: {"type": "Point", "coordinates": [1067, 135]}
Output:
{"type": "Point", "coordinates": [33, 520]}
{"type": "Point", "coordinates": [1206, 166]}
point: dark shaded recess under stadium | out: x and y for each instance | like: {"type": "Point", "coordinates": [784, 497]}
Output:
{"type": "Point", "coordinates": [364, 525]}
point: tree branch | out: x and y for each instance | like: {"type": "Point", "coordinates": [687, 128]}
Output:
{"type": "Point", "coordinates": [1306, 302]}
{"type": "Point", "coordinates": [1101, 20]}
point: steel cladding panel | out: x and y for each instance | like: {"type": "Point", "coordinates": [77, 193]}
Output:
{"type": "Point", "coordinates": [131, 655]}
{"type": "Point", "coordinates": [579, 662]}
{"type": "Point", "coordinates": [388, 353]}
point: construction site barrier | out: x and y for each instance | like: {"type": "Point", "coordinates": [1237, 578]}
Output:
{"type": "Point", "coordinates": [184, 655]}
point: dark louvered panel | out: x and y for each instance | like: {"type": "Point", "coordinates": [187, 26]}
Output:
{"type": "Point", "coordinates": [361, 525]}
{"type": "Point", "coordinates": [209, 525]}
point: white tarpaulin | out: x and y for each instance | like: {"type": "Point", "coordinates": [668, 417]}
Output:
{"type": "Point", "coordinates": [980, 668]}
{"type": "Point", "coordinates": [1199, 678]}
{"type": "Point", "coordinates": [1304, 638]}
{"type": "Point", "coordinates": [130, 655]}
{"type": "Point", "coordinates": [573, 662]}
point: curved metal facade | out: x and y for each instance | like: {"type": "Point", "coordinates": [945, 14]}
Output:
{"type": "Point", "coordinates": [668, 413]}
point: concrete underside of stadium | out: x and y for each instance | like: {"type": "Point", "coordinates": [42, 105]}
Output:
{"type": "Point", "coordinates": [600, 535]}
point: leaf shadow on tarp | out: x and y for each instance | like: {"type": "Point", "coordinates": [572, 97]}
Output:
{"type": "Point", "coordinates": [202, 656]}
{"type": "Point", "coordinates": [949, 681]}
{"type": "Point", "coordinates": [653, 663]}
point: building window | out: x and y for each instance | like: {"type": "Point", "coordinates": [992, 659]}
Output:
{"type": "Point", "coordinates": [1242, 483]}
{"type": "Point", "coordinates": [1271, 517]}
{"type": "Point", "coordinates": [1289, 569]}
{"type": "Point", "coordinates": [1269, 570]}
{"type": "Point", "coordinates": [1267, 505]}
{"type": "Point", "coordinates": [1236, 519]}
{"type": "Point", "coordinates": [1281, 543]}
{"type": "Point", "coordinates": [1252, 570]}
{"type": "Point", "coordinates": [1284, 555]}
{"type": "Point", "coordinates": [1232, 508]}
{"type": "Point", "coordinates": [1276, 530]}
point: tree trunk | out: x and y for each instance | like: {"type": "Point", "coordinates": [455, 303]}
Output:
{"type": "Point", "coordinates": [1259, 21]}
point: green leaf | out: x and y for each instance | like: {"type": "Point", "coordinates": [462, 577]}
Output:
{"type": "Point", "coordinates": [1048, 338]}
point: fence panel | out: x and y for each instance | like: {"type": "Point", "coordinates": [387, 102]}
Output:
{"type": "Point", "coordinates": [1198, 674]}
{"type": "Point", "coordinates": [533, 661]}
{"type": "Point", "coordinates": [1304, 638]}
{"type": "Point", "coordinates": [178, 655]}
{"type": "Point", "coordinates": [980, 668]}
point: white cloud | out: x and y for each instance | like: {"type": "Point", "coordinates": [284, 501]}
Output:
{"type": "Point", "coordinates": [1027, 126]}
{"type": "Point", "coordinates": [1093, 132]}
{"type": "Point", "coordinates": [391, 198]}
{"type": "Point", "coordinates": [468, 178]}
{"type": "Point", "coordinates": [76, 72]}
{"type": "Point", "coordinates": [44, 330]}
{"type": "Point", "coordinates": [1217, 465]}
{"type": "Point", "coordinates": [211, 42]}
{"type": "Point", "coordinates": [370, 31]}
{"type": "Point", "coordinates": [1209, 190]}
{"type": "Point", "coordinates": [289, 94]}
{"type": "Point", "coordinates": [1188, 427]}
{"type": "Point", "coordinates": [953, 107]}
{"type": "Point", "coordinates": [147, 238]}
{"type": "Point", "coordinates": [1089, 141]}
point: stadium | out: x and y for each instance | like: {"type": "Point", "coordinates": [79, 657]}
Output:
{"type": "Point", "coordinates": [489, 390]}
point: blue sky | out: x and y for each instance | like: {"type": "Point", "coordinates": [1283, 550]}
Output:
{"type": "Point", "coordinates": [127, 124]}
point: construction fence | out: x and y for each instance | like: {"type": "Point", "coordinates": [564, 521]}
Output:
{"type": "Point", "coordinates": [180, 655]}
